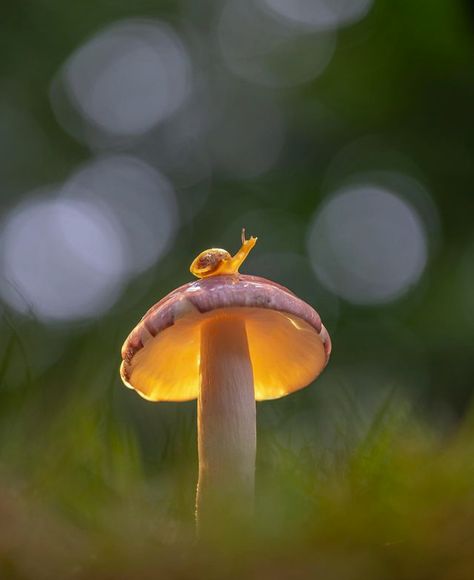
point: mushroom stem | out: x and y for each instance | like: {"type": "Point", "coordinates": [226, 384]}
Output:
{"type": "Point", "coordinates": [226, 426]}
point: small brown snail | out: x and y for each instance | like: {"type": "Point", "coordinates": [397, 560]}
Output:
{"type": "Point", "coordinates": [218, 262]}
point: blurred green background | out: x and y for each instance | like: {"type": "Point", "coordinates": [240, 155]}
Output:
{"type": "Point", "coordinates": [134, 135]}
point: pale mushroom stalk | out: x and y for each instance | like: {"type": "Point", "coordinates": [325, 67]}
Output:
{"type": "Point", "coordinates": [226, 424]}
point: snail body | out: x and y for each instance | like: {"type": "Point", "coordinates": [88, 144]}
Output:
{"type": "Point", "coordinates": [219, 262]}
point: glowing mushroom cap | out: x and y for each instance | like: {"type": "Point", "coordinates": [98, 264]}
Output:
{"type": "Point", "coordinates": [288, 344]}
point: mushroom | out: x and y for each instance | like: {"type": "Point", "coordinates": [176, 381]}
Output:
{"type": "Point", "coordinates": [228, 340]}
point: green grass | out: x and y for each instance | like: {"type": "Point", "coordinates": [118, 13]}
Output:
{"type": "Point", "coordinates": [383, 495]}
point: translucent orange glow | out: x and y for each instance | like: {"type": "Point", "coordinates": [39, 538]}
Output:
{"type": "Point", "coordinates": [286, 353]}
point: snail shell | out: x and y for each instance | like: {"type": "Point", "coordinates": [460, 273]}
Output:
{"type": "Point", "coordinates": [209, 261]}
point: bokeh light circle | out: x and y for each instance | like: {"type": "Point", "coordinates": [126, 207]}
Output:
{"type": "Point", "coordinates": [266, 51]}
{"type": "Point", "coordinates": [129, 77]}
{"type": "Point", "coordinates": [60, 259]}
{"type": "Point", "coordinates": [319, 14]}
{"type": "Point", "coordinates": [367, 244]}
{"type": "Point", "coordinates": [139, 199]}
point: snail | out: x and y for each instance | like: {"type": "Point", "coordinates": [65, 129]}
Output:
{"type": "Point", "coordinates": [218, 262]}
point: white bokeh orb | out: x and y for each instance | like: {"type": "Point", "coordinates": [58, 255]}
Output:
{"type": "Point", "coordinates": [60, 259]}
{"type": "Point", "coordinates": [129, 77]}
{"type": "Point", "coordinates": [267, 51]}
{"type": "Point", "coordinates": [319, 14]}
{"type": "Point", "coordinates": [367, 244]}
{"type": "Point", "coordinates": [140, 200]}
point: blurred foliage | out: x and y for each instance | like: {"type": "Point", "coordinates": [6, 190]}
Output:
{"type": "Point", "coordinates": [394, 502]}
{"type": "Point", "coordinates": [370, 473]}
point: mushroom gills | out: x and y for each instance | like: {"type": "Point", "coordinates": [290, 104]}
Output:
{"type": "Point", "coordinates": [286, 353]}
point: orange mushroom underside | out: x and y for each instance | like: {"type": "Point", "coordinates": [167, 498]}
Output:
{"type": "Point", "coordinates": [286, 353]}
